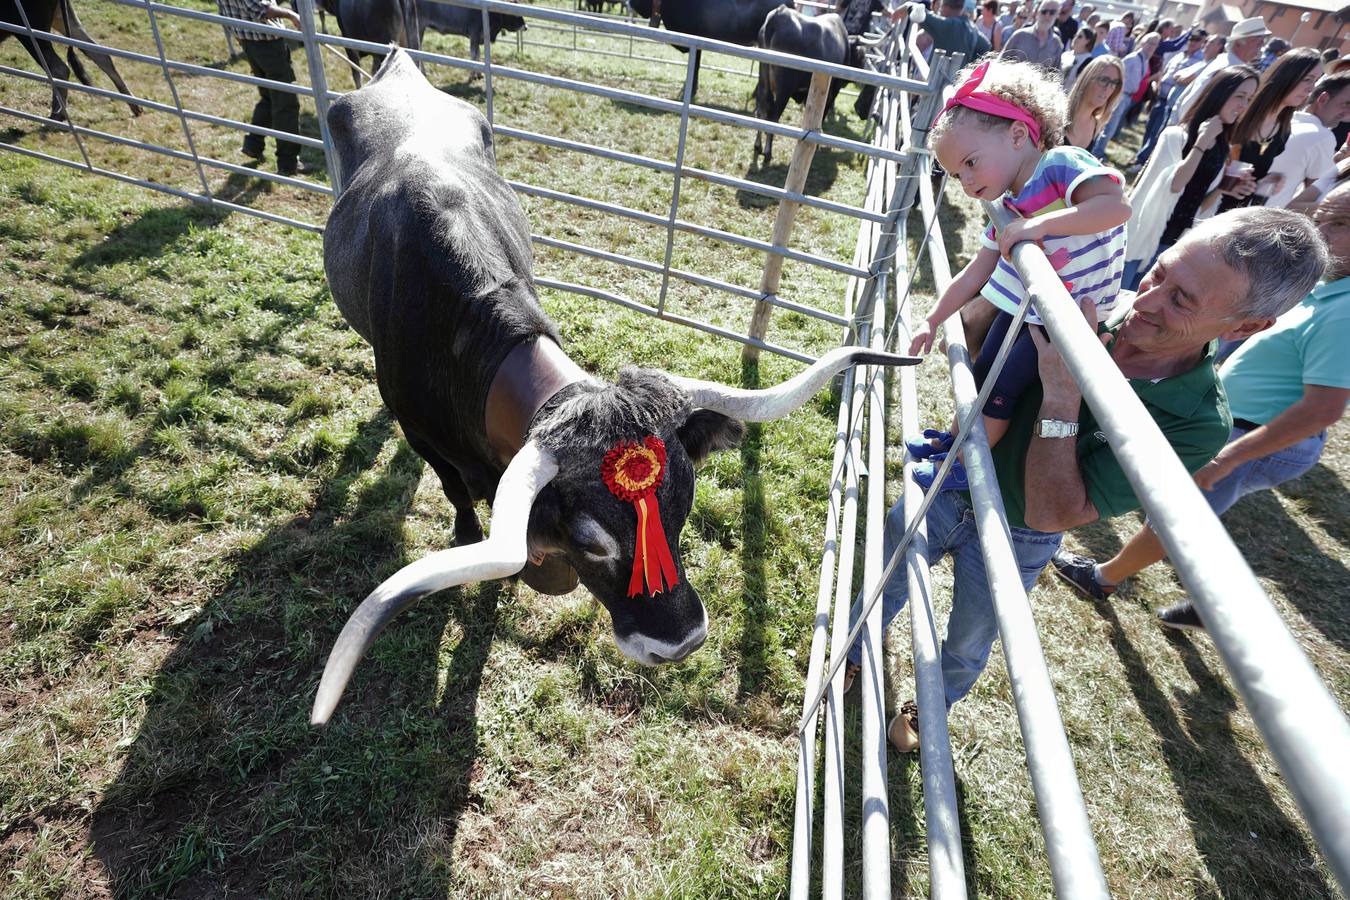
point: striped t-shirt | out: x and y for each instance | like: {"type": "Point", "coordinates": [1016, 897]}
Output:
{"type": "Point", "coordinates": [1089, 264]}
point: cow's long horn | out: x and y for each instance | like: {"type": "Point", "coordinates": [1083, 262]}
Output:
{"type": "Point", "coordinates": [503, 553]}
{"type": "Point", "coordinates": [776, 402]}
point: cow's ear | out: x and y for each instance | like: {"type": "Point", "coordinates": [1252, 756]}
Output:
{"type": "Point", "coordinates": [707, 432]}
{"type": "Point", "coordinates": [546, 528]}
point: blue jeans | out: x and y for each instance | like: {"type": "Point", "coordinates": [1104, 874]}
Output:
{"type": "Point", "coordinates": [1157, 120]}
{"type": "Point", "coordinates": [1264, 473]}
{"type": "Point", "coordinates": [971, 626]}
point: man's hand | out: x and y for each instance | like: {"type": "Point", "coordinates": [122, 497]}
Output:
{"type": "Point", "coordinates": [1214, 471]}
{"type": "Point", "coordinates": [922, 340]}
{"type": "Point", "coordinates": [902, 12]}
{"type": "Point", "coordinates": [1015, 232]}
{"type": "Point", "coordinates": [275, 11]}
{"type": "Point", "coordinates": [1056, 381]}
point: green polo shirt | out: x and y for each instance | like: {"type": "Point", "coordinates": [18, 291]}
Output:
{"type": "Point", "coordinates": [1190, 409]}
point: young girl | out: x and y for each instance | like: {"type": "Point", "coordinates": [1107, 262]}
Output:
{"type": "Point", "coordinates": [1001, 133]}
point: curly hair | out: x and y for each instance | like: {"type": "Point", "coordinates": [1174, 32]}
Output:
{"type": "Point", "coordinates": [1038, 91]}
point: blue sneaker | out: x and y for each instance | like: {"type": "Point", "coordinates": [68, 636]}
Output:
{"type": "Point", "coordinates": [926, 471]}
{"type": "Point", "coordinates": [922, 448]}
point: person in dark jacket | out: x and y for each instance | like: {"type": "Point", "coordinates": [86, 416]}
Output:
{"type": "Point", "coordinates": [950, 28]}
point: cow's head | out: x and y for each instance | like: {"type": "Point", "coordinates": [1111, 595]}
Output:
{"type": "Point", "coordinates": [554, 500]}
{"type": "Point", "coordinates": [500, 22]}
{"type": "Point", "coordinates": [590, 521]}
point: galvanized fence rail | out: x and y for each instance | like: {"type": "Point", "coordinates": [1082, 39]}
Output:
{"type": "Point", "coordinates": [1306, 731]}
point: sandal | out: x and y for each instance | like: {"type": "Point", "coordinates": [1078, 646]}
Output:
{"type": "Point", "coordinates": [903, 730]}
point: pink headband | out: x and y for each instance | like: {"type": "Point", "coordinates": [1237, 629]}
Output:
{"type": "Point", "coordinates": [985, 102]}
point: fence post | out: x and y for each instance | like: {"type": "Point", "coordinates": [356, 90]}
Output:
{"type": "Point", "coordinates": [318, 83]}
{"type": "Point", "coordinates": [798, 169]}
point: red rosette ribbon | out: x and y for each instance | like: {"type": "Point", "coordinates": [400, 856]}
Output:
{"type": "Point", "coordinates": [632, 472]}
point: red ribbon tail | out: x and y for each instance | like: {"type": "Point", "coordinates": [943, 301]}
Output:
{"type": "Point", "coordinates": [639, 557]}
{"type": "Point", "coordinates": [653, 565]}
{"type": "Point", "coordinates": [661, 547]}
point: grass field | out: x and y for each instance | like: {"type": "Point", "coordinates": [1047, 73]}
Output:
{"type": "Point", "coordinates": [199, 482]}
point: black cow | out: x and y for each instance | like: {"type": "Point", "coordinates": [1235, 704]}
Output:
{"type": "Point", "coordinates": [461, 20]}
{"type": "Point", "coordinates": [397, 21]}
{"type": "Point", "coordinates": [733, 21]}
{"type": "Point", "coordinates": [58, 16]}
{"type": "Point", "coordinates": [380, 22]}
{"type": "Point", "coordinates": [815, 37]}
{"type": "Point", "coordinates": [428, 256]}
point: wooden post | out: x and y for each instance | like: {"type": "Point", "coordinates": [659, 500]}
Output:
{"type": "Point", "coordinates": [812, 114]}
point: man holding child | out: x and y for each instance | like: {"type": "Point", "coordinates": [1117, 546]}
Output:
{"type": "Point", "coordinates": [1229, 277]}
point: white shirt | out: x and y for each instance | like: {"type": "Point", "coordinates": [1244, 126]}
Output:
{"type": "Point", "coordinates": [1216, 65]}
{"type": "Point", "coordinates": [1309, 155]}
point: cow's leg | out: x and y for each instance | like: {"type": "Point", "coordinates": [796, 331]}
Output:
{"type": "Point", "coordinates": [779, 94]}
{"type": "Point", "coordinates": [71, 27]}
{"type": "Point", "coordinates": [467, 528]}
{"type": "Point", "coordinates": [763, 99]}
{"type": "Point", "coordinates": [49, 60]}
{"type": "Point", "coordinates": [836, 85]}
{"type": "Point", "coordinates": [357, 73]}
{"type": "Point", "coordinates": [698, 58]}
{"type": "Point", "coordinates": [77, 67]}
{"type": "Point", "coordinates": [475, 41]}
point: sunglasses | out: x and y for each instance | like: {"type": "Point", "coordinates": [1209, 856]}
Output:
{"type": "Point", "coordinates": [1105, 81]}
{"type": "Point", "coordinates": [1049, 12]}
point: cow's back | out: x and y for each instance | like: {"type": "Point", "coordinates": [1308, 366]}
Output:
{"type": "Point", "coordinates": [428, 256]}
{"type": "Point", "coordinates": [734, 21]}
{"type": "Point", "coordinates": [39, 13]}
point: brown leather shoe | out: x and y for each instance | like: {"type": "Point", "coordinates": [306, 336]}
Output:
{"type": "Point", "coordinates": [903, 731]}
{"type": "Point", "coordinates": [851, 670]}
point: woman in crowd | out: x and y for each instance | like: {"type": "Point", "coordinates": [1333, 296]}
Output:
{"type": "Point", "coordinates": [1076, 57]}
{"type": "Point", "coordinates": [987, 23]}
{"type": "Point", "coordinates": [1183, 181]}
{"type": "Point", "coordinates": [1260, 135]}
{"type": "Point", "coordinates": [1019, 19]}
{"type": "Point", "coordinates": [1092, 100]}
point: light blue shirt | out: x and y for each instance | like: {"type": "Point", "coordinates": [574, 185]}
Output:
{"type": "Point", "coordinates": [1306, 345]}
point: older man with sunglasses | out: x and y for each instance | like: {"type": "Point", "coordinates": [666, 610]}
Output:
{"type": "Point", "coordinates": [1039, 42]}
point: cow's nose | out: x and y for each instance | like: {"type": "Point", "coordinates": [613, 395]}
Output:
{"type": "Point", "coordinates": [694, 641]}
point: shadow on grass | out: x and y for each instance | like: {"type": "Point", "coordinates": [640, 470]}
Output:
{"type": "Point", "coordinates": [147, 236]}
{"type": "Point", "coordinates": [821, 177]}
{"type": "Point", "coordinates": [471, 91]}
{"type": "Point", "coordinates": [754, 664]}
{"type": "Point", "coordinates": [1250, 848]}
{"type": "Point", "coordinates": [1279, 548]}
{"type": "Point", "coordinates": [227, 790]}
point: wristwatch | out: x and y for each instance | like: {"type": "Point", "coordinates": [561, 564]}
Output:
{"type": "Point", "coordinates": [1056, 428]}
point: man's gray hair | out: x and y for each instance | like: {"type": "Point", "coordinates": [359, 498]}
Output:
{"type": "Point", "coordinates": [1281, 254]}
